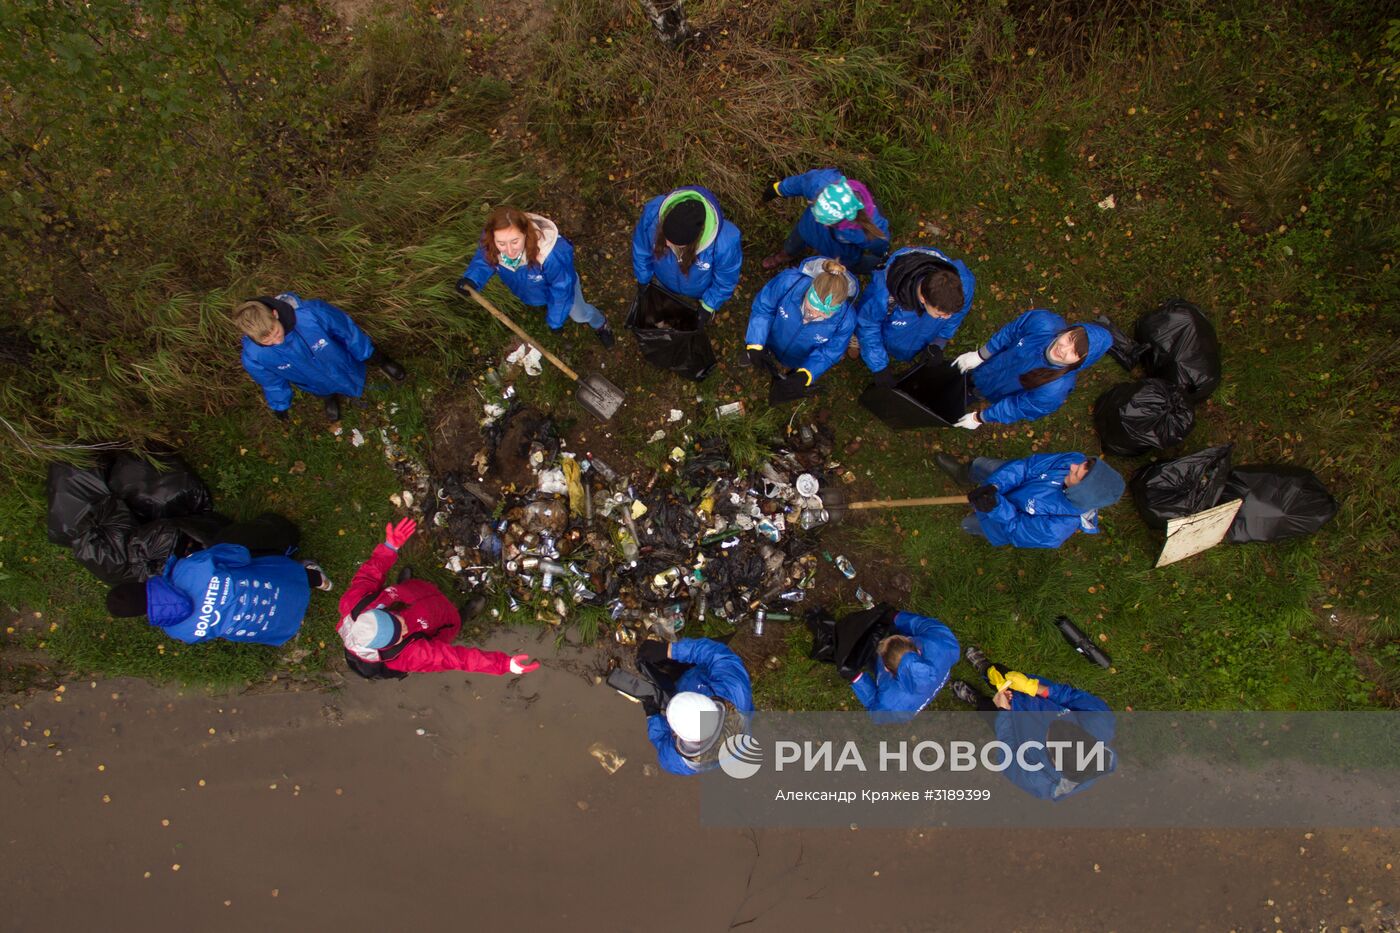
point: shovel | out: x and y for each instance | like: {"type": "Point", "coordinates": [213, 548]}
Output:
{"type": "Point", "coordinates": [599, 397]}
{"type": "Point", "coordinates": [836, 506]}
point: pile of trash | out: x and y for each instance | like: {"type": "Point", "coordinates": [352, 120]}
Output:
{"type": "Point", "coordinates": [692, 541]}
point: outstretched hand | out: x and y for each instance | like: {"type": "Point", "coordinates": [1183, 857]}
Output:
{"type": "Point", "coordinates": [396, 533]}
{"type": "Point", "coordinates": [521, 664]}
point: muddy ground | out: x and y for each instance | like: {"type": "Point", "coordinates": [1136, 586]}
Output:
{"type": "Point", "coordinates": [446, 802]}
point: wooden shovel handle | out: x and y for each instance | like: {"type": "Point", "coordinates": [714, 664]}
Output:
{"type": "Point", "coordinates": [902, 503]}
{"type": "Point", "coordinates": [500, 316]}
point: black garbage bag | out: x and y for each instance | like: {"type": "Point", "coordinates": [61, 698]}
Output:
{"type": "Point", "coordinates": [1125, 351]}
{"type": "Point", "coordinates": [72, 494]}
{"type": "Point", "coordinates": [1182, 348]}
{"type": "Point", "coordinates": [101, 544]}
{"type": "Point", "coordinates": [153, 543]}
{"type": "Point", "coordinates": [1134, 417]}
{"type": "Point", "coordinates": [1167, 489]}
{"type": "Point", "coordinates": [858, 637]}
{"type": "Point", "coordinates": [165, 488]}
{"type": "Point", "coordinates": [1280, 501]}
{"type": "Point", "coordinates": [823, 629]}
{"type": "Point", "coordinates": [669, 333]}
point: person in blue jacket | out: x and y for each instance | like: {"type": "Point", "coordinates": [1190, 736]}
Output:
{"type": "Point", "coordinates": [1037, 501]}
{"type": "Point", "coordinates": [841, 220]}
{"type": "Point", "coordinates": [684, 244]}
{"type": "Point", "coordinates": [536, 262]}
{"type": "Point", "coordinates": [912, 666]}
{"type": "Point", "coordinates": [1061, 738]}
{"type": "Point", "coordinates": [310, 344]}
{"type": "Point", "coordinates": [803, 317]}
{"type": "Point", "coordinates": [223, 592]}
{"type": "Point", "coordinates": [915, 303]}
{"type": "Point", "coordinates": [1026, 371]}
{"type": "Point", "coordinates": [712, 701]}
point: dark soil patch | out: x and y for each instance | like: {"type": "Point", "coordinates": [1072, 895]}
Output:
{"type": "Point", "coordinates": [455, 435]}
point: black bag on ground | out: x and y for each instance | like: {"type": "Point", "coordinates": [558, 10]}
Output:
{"type": "Point", "coordinates": [858, 636]}
{"type": "Point", "coordinates": [1167, 489]}
{"type": "Point", "coordinates": [669, 333]}
{"type": "Point", "coordinates": [1134, 417]}
{"type": "Point", "coordinates": [1182, 348]}
{"type": "Point", "coordinates": [152, 544]}
{"type": "Point", "coordinates": [72, 493]}
{"type": "Point", "coordinates": [266, 535]}
{"type": "Point", "coordinates": [823, 629]}
{"type": "Point", "coordinates": [1280, 501]}
{"type": "Point", "coordinates": [165, 488]}
{"type": "Point", "coordinates": [101, 544]}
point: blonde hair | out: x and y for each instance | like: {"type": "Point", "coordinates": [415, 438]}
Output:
{"type": "Point", "coordinates": [892, 650]}
{"type": "Point", "coordinates": [831, 283]}
{"type": "Point", "coordinates": [255, 319]}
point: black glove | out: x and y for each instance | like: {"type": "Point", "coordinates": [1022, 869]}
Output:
{"type": "Point", "coordinates": [983, 498]}
{"type": "Point", "coordinates": [757, 358]}
{"type": "Point", "coordinates": [770, 192]}
{"type": "Point", "coordinates": [652, 651]}
{"type": "Point", "coordinates": [788, 389]}
{"type": "Point", "coordinates": [933, 353]}
{"type": "Point", "coordinates": [884, 378]}
{"type": "Point", "coordinates": [280, 415]}
{"type": "Point", "coordinates": [651, 707]}
{"type": "Point", "coordinates": [463, 284]}
{"type": "Point", "coordinates": [703, 317]}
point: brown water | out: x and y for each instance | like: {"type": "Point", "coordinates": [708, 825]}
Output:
{"type": "Point", "coordinates": [324, 811]}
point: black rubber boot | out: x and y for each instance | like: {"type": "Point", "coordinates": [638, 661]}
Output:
{"type": "Point", "coordinates": [959, 470]}
{"type": "Point", "coordinates": [605, 336]}
{"type": "Point", "coordinates": [333, 407]}
{"type": "Point", "coordinates": [390, 366]}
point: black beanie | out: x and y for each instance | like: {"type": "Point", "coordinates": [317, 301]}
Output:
{"type": "Point", "coordinates": [684, 222]}
{"type": "Point", "coordinates": [126, 600]}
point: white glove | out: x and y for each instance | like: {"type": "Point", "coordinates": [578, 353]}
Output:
{"type": "Point", "coordinates": [969, 421]}
{"type": "Point", "coordinates": [968, 361]}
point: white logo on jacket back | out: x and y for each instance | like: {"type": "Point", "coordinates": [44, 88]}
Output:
{"type": "Point", "coordinates": [319, 345]}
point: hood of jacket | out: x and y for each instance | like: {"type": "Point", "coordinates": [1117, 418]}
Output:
{"type": "Point", "coordinates": [813, 268]}
{"type": "Point", "coordinates": [1100, 340]}
{"type": "Point", "coordinates": [166, 604]}
{"type": "Point", "coordinates": [549, 234]}
{"type": "Point", "coordinates": [714, 216]}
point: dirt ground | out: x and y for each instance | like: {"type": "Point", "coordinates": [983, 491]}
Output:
{"type": "Point", "coordinates": [441, 801]}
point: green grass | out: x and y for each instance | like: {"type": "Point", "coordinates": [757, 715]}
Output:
{"type": "Point", "coordinates": [1251, 153]}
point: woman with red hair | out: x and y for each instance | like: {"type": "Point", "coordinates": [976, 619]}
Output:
{"type": "Point", "coordinates": [536, 262]}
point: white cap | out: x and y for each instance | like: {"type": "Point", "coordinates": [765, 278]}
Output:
{"type": "Point", "coordinates": [693, 717]}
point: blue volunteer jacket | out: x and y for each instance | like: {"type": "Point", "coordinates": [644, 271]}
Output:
{"type": "Point", "coordinates": [324, 354]}
{"type": "Point", "coordinates": [716, 672]}
{"type": "Point", "coordinates": [898, 697]}
{"type": "Point", "coordinates": [889, 331]}
{"type": "Point", "coordinates": [715, 273]}
{"type": "Point", "coordinates": [225, 592]}
{"type": "Point", "coordinates": [550, 284]}
{"type": "Point", "coordinates": [1018, 348]}
{"type": "Point", "coordinates": [1032, 510]}
{"type": "Point", "coordinates": [776, 322]}
{"type": "Point", "coordinates": [845, 241]}
{"type": "Point", "coordinates": [1029, 720]}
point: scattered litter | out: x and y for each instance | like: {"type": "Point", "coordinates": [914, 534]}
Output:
{"type": "Point", "coordinates": [676, 414]}
{"type": "Point", "coordinates": [1108, 203]}
{"type": "Point", "coordinates": [657, 435]}
{"type": "Point", "coordinates": [356, 438]}
{"type": "Point", "coordinates": [528, 357]}
{"type": "Point", "coordinates": [607, 757]}
{"type": "Point", "coordinates": [729, 410]}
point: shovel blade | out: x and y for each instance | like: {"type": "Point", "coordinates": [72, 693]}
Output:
{"type": "Point", "coordinates": [599, 397]}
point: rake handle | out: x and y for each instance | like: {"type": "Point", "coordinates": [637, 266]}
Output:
{"type": "Point", "coordinates": [903, 503]}
{"type": "Point", "coordinates": [515, 328]}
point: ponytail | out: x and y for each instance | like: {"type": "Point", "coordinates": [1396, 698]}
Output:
{"type": "Point", "coordinates": [832, 282]}
{"type": "Point", "coordinates": [868, 227]}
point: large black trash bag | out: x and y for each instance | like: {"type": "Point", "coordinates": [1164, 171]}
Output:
{"type": "Point", "coordinates": [858, 637]}
{"type": "Point", "coordinates": [1181, 348]}
{"type": "Point", "coordinates": [1135, 417]}
{"type": "Point", "coordinates": [101, 544]}
{"type": "Point", "coordinates": [152, 544]}
{"type": "Point", "coordinates": [72, 493]}
{"type": "Point", "coordinates": [669, 333]}
{"type": "Point", "coordinates": [166, 488]}
{"type": "Point", "coordinates": [1167, 489]}
{"type": "Point", "coordinates": [1280, 501]}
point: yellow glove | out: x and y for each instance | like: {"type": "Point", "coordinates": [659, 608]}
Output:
{"type": "Point", "coordinates": [1022, 684]}
{"type": "Point", "coordinates": [996, 678]}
